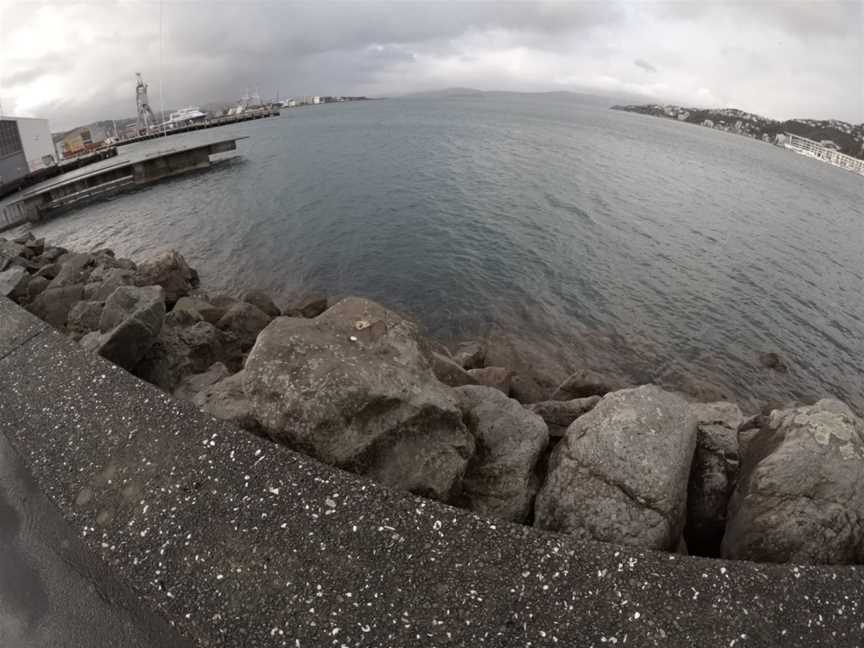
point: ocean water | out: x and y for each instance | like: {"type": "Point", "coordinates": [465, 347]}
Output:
{"type": "Point", "coordinates": [643, 248]}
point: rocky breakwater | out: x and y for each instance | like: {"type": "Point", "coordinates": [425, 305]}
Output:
{"type": "Point", "coordinates": [355, 385]}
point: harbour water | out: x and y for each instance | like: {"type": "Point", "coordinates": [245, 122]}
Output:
{"type": "Point", "coordinates": [640, 247]}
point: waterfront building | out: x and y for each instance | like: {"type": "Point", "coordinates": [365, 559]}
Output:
{"type": "Point", "coordinates": [82, 140]}
{"type": "Point", "coordinates": [25, 146]}
{"type": "Point", "coordinates": [814, 149]}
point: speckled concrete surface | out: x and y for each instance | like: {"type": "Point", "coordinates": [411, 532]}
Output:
{"type": "Point", "coordinates": [242, 543]}
{"type": "Point", "coordinates": [53, 591]}
{"type": "Point", "coordinates": [16, 326]}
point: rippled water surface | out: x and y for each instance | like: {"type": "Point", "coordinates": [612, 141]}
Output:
{"type": "Point", "coordinates": [639, 246]}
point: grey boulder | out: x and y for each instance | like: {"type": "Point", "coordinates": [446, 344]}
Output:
{"type": "Point", "coordinates": [196, 383]}
{"type": "Point", "coordinates": [449, 372]}
{"type": "Point", "coordinates": [262, 300]}
{"type": "Point", "coordinates": [129, 325]}
{"type": "Point", "coordinates": [712, 475]}
{"type": "Point", "coordinates": [226, 400]}
{"type": "Point", "coordinates": [245, 321]}
{"type": "Point", "coordinates": [84, 317]}
{"type": "Point", "coordinates": [178, 352]}
{"type": "Point", "coordinates": [309, 307]}
{"type": "Point", "coordinates": [558, 415]}
{"type": "Point", "coordinates": [75, 268]}
{"type": "Point", "coordinates": [13, 282]}
{"type": "Point", "coordinates": [584, 383]}
{"type": "Point", "coordinates": [471, 355]}
{"type": "Point", "coordinates": [354, 388]}
{"type": "Point", "coordinates": [169, 270]}
{"type": "Point", "coordinates": [199, 308]}
{"type": "Point", "coordinates": [500, 480]}
{"type": "Point", "coordinates": [800, 493]}
{"type": "Point", "coordinates": [53, 304]}
{"type": "Point", "coordinates": [620, 474]}
{"type": "Point", "coordinates": [496, 377]}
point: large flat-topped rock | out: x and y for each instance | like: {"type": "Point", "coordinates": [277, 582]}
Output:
{"type": "Point", "coordinates": [239, 542]}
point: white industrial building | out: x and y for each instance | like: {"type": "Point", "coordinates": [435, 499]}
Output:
{"type": "Point", "coordinates": [25, 146]}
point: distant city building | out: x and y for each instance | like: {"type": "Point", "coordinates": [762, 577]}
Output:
{"type": "Point", "coordinates": [316, 100]}
{"type": "Point", "coordinates": [25, 146]}
{"type": "Point", "coordinates": [82, 140]}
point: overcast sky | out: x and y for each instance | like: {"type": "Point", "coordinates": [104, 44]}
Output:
{"type": "Point", "coordinates": [75, 63]}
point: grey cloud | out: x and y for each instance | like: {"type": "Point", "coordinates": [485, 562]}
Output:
{"type": "Point", "coordinates": [645, 65]}
{"type": "Point", "coordinates": [216, 50]}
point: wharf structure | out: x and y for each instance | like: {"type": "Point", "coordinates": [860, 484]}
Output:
{"type": "Point", "coordinates": [814, 149]}
{"type": "Point", "coordinates": [212, 122]}
{"type": "Point", "coordinates": [119, 173]}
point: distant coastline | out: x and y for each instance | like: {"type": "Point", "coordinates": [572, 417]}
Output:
{"type": "Point", "coordinates": [844, 137]}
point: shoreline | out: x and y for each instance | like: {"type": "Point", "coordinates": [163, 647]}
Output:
{"type": "Point", "coordinates": [355, 385]}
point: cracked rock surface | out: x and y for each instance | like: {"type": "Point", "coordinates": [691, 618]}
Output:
{"type": "Point", "coordinates": [800, 495]}
{"type": "Point", "coordinates": [620, 474]}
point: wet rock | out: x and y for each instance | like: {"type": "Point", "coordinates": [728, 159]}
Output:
{"type": "Point", "coordinates": [354, 388]}
{"type": "Point", "coordinates": [183, 315]}
{"type": "Point", "coordinates": [208, 312]}
{"type": "Point", "coordinates": [772, 360]}
{"type": "Point", "coordinates": [558, 415]}
{"type": "Point", "coordinates": [170, 271]}
{"type": "Point", "coordinates": [36, 246]}
{"type": "Point", "coordinates": [196, 383]}
{"type": "Point", "coordinates": [450, 373]}
{"type": "Point", "coordinates": [309, 307]}
{"type": "Point", "coordinates": [584, 383]}
{"type": "Point", "coordinates": [35, 287]}
{"type": "Point", "coordinates": [262, 300]}
{"type": "Point", "coordinates": [53, 304]}
{"type": "Point", "coordinates": [800, 492]}
{"type": "Point", "coordinates": [75, 269]}
{"type": "Point", "coordinates": [471, 355]}
{"type": "Point", "coordinates": [496, 377]}
{"type": "Point", "coordinates": [246, 321]}
{"type": "Point", "coordinates": [129, 325]}
{"type": "Point", "coordinates": [52, 254]}
{"type": "Point", "coordinates": [13, 249]}
{"type": "Point", "coordinates": [14, 282]}
{"type": "Point", "coordinates": [500, 480]}
{"type": "Point", "coordinates": [526, 389]}
{"type": "Point", "coordinates": [84, 317]}
{"type": "Point", "coordinates": [226, 400]}
{"type": "Point", "coordinates": [103, 281]}
{"type": "Point", "coordinates": [538, 367]}
{"type": "Point", "coordinates": [48, 271]}
{"type": "Point", "coordinates": [178, 352]}
{"type": "Point", "coordinates": [712, 475]}
{"type": "Point", "coordinates": [620, 474]}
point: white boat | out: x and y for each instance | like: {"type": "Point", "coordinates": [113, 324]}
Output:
{"type": "Point", "coordinates": [185, 116]}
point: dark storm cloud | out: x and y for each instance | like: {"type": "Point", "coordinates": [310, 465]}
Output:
{"type": "Point", "coordinates": [76, 62]}
{"type": "Point", "coordinates": [645, 65]}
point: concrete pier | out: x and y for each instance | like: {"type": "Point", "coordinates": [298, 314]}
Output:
{"type": "Point", "coordinates": [120, 173]}
{"type": "Point", "coordinates": [236, 541]}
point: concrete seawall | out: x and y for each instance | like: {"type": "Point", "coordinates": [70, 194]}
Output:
{"type": "Point", "coordinates": [238, 542]}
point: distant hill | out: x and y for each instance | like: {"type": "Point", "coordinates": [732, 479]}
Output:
{"type": "Point", "coordinates": [448, 92]}
{"type": "Point", "coordinates": [604, 101]}
{"type": "Point", "coordinates": [848, 137]}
